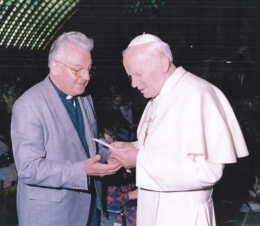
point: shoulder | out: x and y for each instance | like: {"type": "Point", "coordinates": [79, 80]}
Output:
{"type": "Point", "coordinates": [194, 85]}
{"type": "Point", "coordinates": [37, 90]}
{"type": "Point", "coordinates": [87, 99]}
{"type": "Point", "coordinates": [35, 96]}
{"type": "Point", "coordinates": [195, 91]}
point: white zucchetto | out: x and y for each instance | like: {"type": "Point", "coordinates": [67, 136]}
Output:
{"type": "Point", "coordinates": [143, 39]}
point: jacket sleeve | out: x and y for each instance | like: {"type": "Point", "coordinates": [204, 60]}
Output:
{"type": "Point", "coordinates": [38, 160]}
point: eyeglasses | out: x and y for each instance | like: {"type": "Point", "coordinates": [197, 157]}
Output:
{"type": "Point", "coordinates": [78, 73]}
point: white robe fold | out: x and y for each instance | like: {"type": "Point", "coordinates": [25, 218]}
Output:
{"type": "Point", "coordinates": [194, 132]}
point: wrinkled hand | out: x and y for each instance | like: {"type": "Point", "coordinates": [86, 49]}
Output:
{"type": "Point", "coordinates": [133, 194]}
{"type": "Point", "coordinates": [95, 168]}
{"type": "Point", "coordinates": [111, 159]}
{"type": "Point", "coordinates": [125, 153]}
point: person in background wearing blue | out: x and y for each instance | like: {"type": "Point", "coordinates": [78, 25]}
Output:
{"type": "Point", "coordinates": [8, 173]}
{"type": "Point", "coordinates": [121, 190]}
{"type": "Point", "coordinates": [124, 128]}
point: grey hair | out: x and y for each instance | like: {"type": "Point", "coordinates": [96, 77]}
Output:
{"type": "Point", "coordinates": [59, 45]}
{"type": "Point", "coordinates": [154, 49]}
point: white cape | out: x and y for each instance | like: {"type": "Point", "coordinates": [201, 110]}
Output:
{"type": "Point", "coordinates": [194, 131]}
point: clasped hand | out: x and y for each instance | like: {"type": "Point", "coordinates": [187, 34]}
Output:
{"type": "Point", "coordinates": [125, 153]}
{"type": "Point", "coordinates": [95, 168]}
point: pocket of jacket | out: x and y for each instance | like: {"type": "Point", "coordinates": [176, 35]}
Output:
{"type": "Point", "coordinates": [46, 194]}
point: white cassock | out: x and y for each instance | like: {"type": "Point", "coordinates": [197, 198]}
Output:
{"type": "Point", "coordinates": [192, 133]}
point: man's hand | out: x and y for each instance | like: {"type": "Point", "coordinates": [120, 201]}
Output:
{"type": "Point", "coordinates": [111, 159]}
{"type": "Point", "coordinates": [95, 168]}
{"type": "Point", "coordinates": [133, 194]}
{"type": "Point", "coordinates": [125, 153]}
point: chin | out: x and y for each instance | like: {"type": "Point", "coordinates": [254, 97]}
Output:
{"type": "Point", "coordinates": [79, 92]}
{"type": "Point", "coordinates": [147, 95]}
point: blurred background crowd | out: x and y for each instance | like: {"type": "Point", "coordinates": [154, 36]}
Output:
{"type": "Point", "coordinates": [216, 40]}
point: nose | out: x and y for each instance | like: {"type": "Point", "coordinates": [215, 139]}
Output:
{"type": "Point", "coordinates": [134, 81]}
{"type": "Point", "coordinates": [86, 75]}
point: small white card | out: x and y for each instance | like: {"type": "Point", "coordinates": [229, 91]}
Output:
{"type": "Point", "coordinates": [102, 142]}
{"type": "Point", "coordinates": [109, 146]}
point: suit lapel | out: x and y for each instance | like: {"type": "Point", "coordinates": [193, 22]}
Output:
{"type": "Point", "coordinates": [88, 117]}
{"type": "Point", "coordinates": [61, 114]}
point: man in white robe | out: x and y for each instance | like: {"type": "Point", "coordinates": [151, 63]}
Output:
{"type": "Point", "coordinates": [187, 133]}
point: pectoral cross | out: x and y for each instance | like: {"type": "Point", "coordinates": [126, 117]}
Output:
{"type": "Point", "coordinates": [147, 128]}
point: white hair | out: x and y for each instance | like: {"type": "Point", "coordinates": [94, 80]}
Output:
{"type": "Point", "coordinates": [153, 50]}
{"type": "Point", "coordinates": [59, 45]}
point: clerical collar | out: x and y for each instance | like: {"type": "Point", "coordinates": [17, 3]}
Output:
{"type": "Point", "coordinates": [69, 97]}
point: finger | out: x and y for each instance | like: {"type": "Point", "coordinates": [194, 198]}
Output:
{"type": "Point", "coordinates": [113, 152]}
{"type": "Point", "coordinates": [116, 165]}
{"type": "Point", "coordinates": [117, 158]}
{"type": "Point", "coordinates": [111, 155]}
{"type": "Point", "coordinates": [119, 153]}
{"type": "Point", "coordinates": [119, 167]}
{"type": "Point", "coordinates": [113, 171]}
{"type": "Point", "coordinates": [96, 158]}
{"type": "Point", "coordinates": [112, 160]}
{"type": "Point", "coordinates": [111, 166]}
{"type": "Point", "coordinates": [117, 144]}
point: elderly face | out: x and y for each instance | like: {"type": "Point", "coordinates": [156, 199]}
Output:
{"type": "Point", "coordinates": [145, 73]}
{"type": "Point", "coordinates": [64, 78]}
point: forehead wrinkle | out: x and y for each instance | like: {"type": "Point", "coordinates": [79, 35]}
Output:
{"type": "Point", "coordinates": [75, 57]}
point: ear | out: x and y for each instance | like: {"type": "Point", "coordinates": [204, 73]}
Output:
{"type": "Point", "coordinates": [164, 64]}
{"type": "Point", "coordinates": [54, 68]}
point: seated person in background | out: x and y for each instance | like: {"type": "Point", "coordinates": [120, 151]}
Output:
{"type": "Point", "coordinates": [124, 129]}
{"type": "Point", "coordinates": [8, 175]}
{"type": "Point", "coordinates": [109, 135]}
{"type": "Point", "coordinates": [3, 146]}
{"type": "Point", "coordinates": [121, 189]}
{"type": "Point", "coordinates": [127, 112]}
{"type": "Point", "coordinates": [8, 172]}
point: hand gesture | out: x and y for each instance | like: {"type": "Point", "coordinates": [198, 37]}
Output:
{"type": "Point", "coordinates": [95, 168]}
{"type": "Point", "coordinates": [133, 194]}
{"type": "Point", "coordinates": [125, 153]}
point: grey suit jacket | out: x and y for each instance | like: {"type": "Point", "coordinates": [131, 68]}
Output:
{"type": "Point", "coordinates": [49, 156]}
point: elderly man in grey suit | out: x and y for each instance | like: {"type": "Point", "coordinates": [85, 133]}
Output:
{"type": "Point", "coordinates": [52, 127]}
